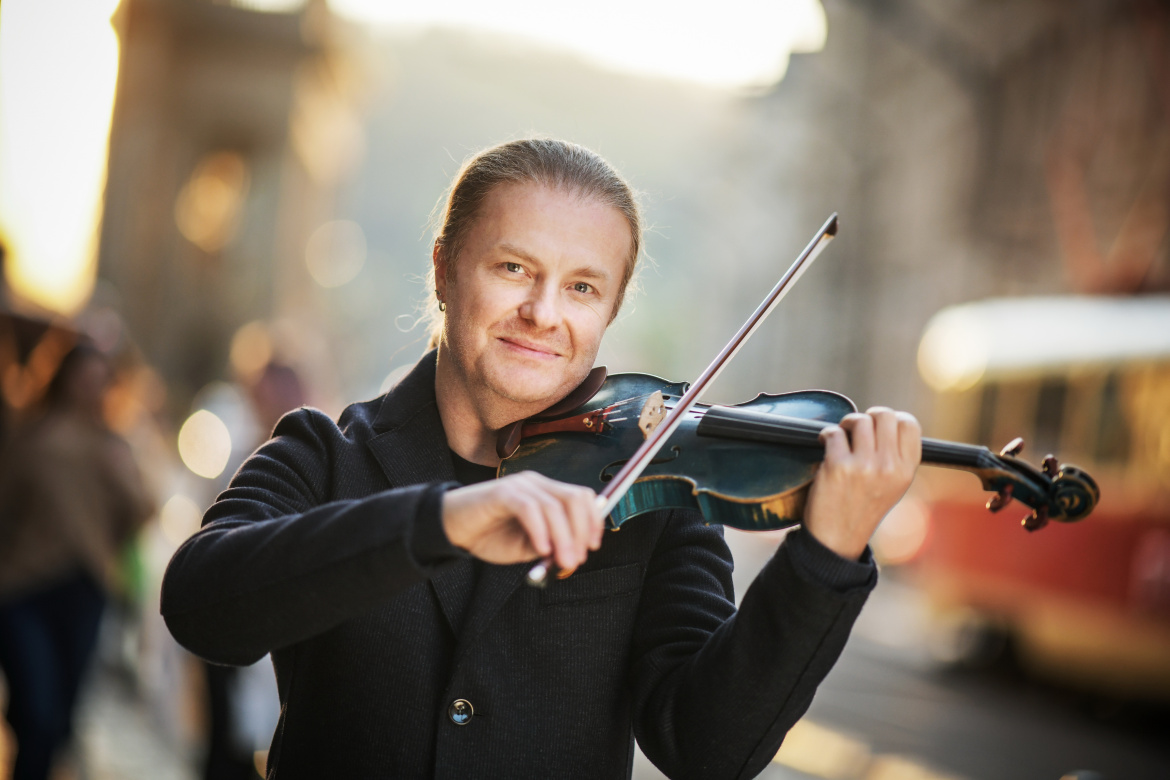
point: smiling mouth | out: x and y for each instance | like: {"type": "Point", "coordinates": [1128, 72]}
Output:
{"type": "Point", "coordinates": [531, 350]}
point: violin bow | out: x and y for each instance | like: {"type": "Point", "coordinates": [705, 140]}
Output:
{"type": "Point", "coordinates": [608, 498]}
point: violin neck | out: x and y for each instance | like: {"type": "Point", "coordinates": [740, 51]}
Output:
{"type": "Point", "coordinates": [731, 423]}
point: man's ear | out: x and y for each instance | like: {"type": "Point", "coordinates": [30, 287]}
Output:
{"type": "Point", "coordinates": [439, 261]}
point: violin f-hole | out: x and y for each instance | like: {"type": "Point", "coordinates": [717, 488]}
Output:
{"type": "Point", "coordinates": [611, 469]}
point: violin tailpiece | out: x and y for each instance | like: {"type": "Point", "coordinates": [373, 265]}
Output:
{"type": "Point", "coordinates": [593, 422]}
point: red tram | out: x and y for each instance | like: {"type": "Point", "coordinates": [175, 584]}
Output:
{"type": "Point", "coordinates": [1087, 379]}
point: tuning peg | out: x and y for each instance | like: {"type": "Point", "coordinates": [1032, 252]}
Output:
{"type": "Point", "coordinates": [1037, 520]}
{"type": "Point", "coordinates": [1013, 447]}
{"type": "Point", "coordinates": [1000, 499]}
{"type": "Point", "coordinates": [1051, 466]}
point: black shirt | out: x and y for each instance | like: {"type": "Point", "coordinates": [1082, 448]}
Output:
{"type": "Point", "coordinates": [469, 473]}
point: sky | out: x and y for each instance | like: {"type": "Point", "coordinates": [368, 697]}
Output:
{"type": "Point", "coordinates": [732, 43]}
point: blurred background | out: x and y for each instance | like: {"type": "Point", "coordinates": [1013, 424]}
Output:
{"type": "Point", "coordinates": [230, 201]}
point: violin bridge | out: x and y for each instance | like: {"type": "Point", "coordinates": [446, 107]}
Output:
{"type": "Point", "coordinates": [653, 413]}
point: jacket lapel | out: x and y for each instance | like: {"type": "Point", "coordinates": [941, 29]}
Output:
{"type": "Point", "coordinates": [411, 448]}
{"type": "Point", "coordinates": [495, 586]}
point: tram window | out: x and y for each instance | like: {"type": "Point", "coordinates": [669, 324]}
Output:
{"type": "Point", "coordinates": [1050, 404]}
{"type": "Point", "coordinates": [1112, 427]}
{"type": "Point", "coordinates": [986, 423]}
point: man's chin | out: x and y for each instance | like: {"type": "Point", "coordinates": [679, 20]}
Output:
{"type": "Point", "coordinates": [541, 387]}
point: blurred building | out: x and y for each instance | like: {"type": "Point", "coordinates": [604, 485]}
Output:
{"type": "Point", "coordinates": [1015, 151]}
{"type": "Point", "coordinates": [973, 150]}
{"type": "Point", "coordinates": [231, 130]}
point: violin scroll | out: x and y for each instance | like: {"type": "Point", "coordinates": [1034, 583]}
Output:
{"type": "Point", "coordinates": [1063, 493]}
{"type": "Point", "coordinates": [1074, 494]}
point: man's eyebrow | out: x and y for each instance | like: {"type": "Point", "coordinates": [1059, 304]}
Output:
{"type": "Point", "coordinates": [512, 249]}
{"type": "Point", "coordinates": [585, 271]}
{"type": "Point", "coordinates": [591, 272]}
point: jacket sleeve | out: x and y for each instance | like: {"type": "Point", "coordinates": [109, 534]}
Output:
{"type": "Point", "coordinates": [276, 562]}
{"type": "Point", "coordinates": [716, 690]}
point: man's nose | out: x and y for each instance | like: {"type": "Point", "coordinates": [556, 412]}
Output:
{"type": "Point", "coordinates": [541, 308]}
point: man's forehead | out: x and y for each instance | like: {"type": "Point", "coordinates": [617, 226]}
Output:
{"type": "Point", "coordinates": [537, 223]}
{"type": "Point", "coordinates": [528, 200]}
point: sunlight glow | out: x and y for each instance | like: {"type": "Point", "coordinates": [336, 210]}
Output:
{"type": "Point", "coordinates": [58, 69]}
{"type": "Point", "coordinates": [823, 752]}
{"type": "Point", "coordinates": [734, 43]}
{"type": "Point", "coordinates": [270, 6]}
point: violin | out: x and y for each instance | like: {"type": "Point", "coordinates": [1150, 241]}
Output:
{"type": "Point", "coordinates": [749, 465]}
{"type": "Point", "coordinates": [646, 444]}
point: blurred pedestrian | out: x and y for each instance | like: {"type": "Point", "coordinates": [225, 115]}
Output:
{"type": "Point", "coordinates": [70, 498]}
{"type": "Point", "coordinates": [243, 705]}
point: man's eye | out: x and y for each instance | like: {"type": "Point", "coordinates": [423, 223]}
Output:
{"type": "Point", "coordinates": [582, 287]}
{"type": "Point", "coordinates": [513, 267]}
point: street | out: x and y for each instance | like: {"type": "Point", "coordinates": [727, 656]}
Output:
{"type": "Point", "coordinates": [990, 725]}
{"type": "Point", "coordinates": [889, 711]}
{"type": "Point", "coordinates": [886, 712]}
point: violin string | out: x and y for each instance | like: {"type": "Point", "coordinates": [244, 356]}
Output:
{"type": "Point", "coordinates": [627, 401]}
{"type": "Point", "coordinates": [700, 412]}
{"type": "Point", "coordinates": [934, 450]}
{"type": "Point", "coordinates": [615, 406]}
{"type": "Point", "coordinates": [606, 412]}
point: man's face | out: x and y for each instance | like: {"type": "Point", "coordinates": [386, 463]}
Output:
{"type": "Point", "coordinates": [530, 295]}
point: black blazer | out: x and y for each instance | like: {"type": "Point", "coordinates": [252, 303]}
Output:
{"type": "Point", "coordinates": [327, 551]}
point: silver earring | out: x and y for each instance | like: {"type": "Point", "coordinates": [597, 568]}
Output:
{"type": "Point", "coordinates": [442, 305]}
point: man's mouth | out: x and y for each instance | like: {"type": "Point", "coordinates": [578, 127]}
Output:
{"type": "Point", "coordinates": [530, 348]}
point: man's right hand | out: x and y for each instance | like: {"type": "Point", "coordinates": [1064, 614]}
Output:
{"type": "Point", "coordinates": [524, 516]}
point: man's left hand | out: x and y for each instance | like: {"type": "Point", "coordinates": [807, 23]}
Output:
{"type": "Point", "coordinates": [870, 460]}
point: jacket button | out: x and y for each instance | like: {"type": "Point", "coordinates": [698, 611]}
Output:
{"type": "Point", "coordinates": [460, 712]}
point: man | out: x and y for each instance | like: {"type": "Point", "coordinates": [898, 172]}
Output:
{"type": "Point", "coordinates": [391, 596]}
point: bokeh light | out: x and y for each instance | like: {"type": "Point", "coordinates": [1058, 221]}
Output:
{"type": "Point", "coordinates": [251, 349]}
{"type": "Point", "coordinates": [902, 533]}
{"type": "Point", "coordinates": [179, 517]}
{"type": "Point", "coordinates": [205, 445]}
{"type": "Point", "coordinates": [336, 253]}
{"type": "Point", "coordinates": [207, 211]}
{"type": "Point", "coordinates": [952, 355]}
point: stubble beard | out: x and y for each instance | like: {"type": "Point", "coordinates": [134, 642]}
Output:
{"type": "Point", "coordinates": [507, 377]}
{"type": "Point", "coordinates": [525, 387]}
{"type": "Point", "coordinates": [504, 385]}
